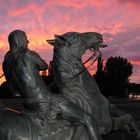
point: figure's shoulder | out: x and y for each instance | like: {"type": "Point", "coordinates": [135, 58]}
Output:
{"type": "Point", "coordinates": [33, 53]}
{"type": "Point", "coordinates": [33, 56]}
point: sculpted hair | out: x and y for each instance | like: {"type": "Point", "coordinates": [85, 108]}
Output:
{"type": "Point", "coordinates": [18, 41]}
{"type": "Point", "coordinates": [18, 46]}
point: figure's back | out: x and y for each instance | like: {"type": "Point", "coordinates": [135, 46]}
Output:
{"type": "Point", "coordinates": [23, 73]}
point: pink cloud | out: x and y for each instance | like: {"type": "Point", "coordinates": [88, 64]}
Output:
{"type": "Point", "coordinates": [18, 11]}
{"type": "Point", "coordinates": [42, 20]}
{"type": "Point", "coordinates": [76, 3]}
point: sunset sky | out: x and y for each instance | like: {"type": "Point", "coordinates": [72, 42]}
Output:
{"type": "Point", "coordinates": [117, 20]}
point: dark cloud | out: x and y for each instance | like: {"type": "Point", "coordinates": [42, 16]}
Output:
{"type": "Point", "coordinates": [125, 44]}
{"type": "Point", "coordinates": [130, 3]}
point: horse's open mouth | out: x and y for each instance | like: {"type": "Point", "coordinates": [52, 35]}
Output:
{"type": "Point", "coordinates": [102, 45]}
{"type": "Point", "coordinates": [99, 45]}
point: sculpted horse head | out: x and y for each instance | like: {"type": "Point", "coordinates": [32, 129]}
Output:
{"type": "Point", "coordinates": [78, 42]}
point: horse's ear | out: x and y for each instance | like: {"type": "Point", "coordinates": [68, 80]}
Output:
{"type": "Point", "coordinates": [51, 41]}
{"type": "Point", "coordinates": [60, 39]}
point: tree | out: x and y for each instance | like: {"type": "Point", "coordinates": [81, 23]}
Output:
{"type": "Point", "coordinates": [118, 70]}
{"type": "Point", "coordinates": [100, 76]}
{"type": "Point", "coordinates": [118, 67]}
{"type": "Point", "coordinates": [134, 89]}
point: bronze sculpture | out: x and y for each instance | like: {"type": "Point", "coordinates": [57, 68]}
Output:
{"type": "Point", "coordinates": [47, 115]}
{"type": "Point", "coordinates": [82, 89]}
{"type": "Point", "coordinates": [21, 68]}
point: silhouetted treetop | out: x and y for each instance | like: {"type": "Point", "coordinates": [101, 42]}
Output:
{"type": "Point", "coordinates": [118, 67]}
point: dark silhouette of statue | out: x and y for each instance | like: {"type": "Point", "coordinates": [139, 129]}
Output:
{"type": "Point", "coordinates": [78, 112]}
{"type": "Point", "coordinates": [78, 86]}
{"type": "Point", "coordinates": [21, 68]}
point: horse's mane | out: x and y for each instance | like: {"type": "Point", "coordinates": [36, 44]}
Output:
{"type": "Point", "coordinates": [66, 67]}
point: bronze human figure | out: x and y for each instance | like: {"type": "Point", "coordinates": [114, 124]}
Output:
{"type": "Point", "coordinates": [21, 68]}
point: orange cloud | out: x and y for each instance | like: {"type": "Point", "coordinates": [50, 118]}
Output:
{"type": "Point", "coordinates": [37, 40]}
{"type": "Point", "coordinates": [2, 44]}
{"type": "Point", "coordinates": [2, 79]}
{"type": "Point", "coordinates": [135, 62]}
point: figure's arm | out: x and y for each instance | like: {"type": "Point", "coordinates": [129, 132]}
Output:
{"type": "Point", "coordinates": [41, 64]}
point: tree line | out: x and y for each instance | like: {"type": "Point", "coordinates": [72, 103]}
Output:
{"type": "Point", "coordinates": [113, 77]}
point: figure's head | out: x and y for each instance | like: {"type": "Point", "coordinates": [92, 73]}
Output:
{"type": "Point", "coordinates": [78, 43]}
{"type": "Point", "coordinates": [18, 41]}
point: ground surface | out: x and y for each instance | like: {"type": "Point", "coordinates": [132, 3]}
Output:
{"type": "Point", "coordinates": [129, 106]}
